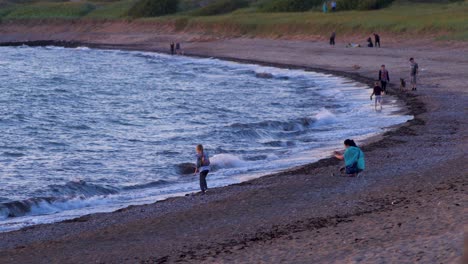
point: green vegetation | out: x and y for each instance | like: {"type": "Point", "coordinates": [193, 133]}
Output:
{"type": "Point", "coordinates": [363, 4]}
{"type": "Point", "coordinates": [445, 21]}
{"type": "Point", "coordinates": [118, 9]}
{"type": "Point", "coordinates": [220, 7]}
{"type": "Point", "coordinates": [289, 5]}
{"type": "Point", "coordinates": [49, 10]}
{"type": "Point", "coordinates": [151, 8]}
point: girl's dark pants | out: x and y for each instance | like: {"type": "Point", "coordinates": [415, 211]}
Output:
{"type": "Point", "coordinates": [384, 86]}
{"type": "Point", "coordinates": [332, 41]}
{"type": "Point", "coordinates": [203, 185]}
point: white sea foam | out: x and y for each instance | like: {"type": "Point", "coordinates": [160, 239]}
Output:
{"type": "Point", "coordinates": [225, 161]}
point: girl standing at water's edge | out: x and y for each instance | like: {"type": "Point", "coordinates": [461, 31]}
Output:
{"type": "Point", "coordinates": [203, 166]}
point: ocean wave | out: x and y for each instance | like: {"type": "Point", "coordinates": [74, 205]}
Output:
{"type": "Point", "coordinates": [69, 196]}
{"type": "Point", "coordinates": [218, 161]}
{"type": "Point", "coordinates": [146, 185]}
{"type": "Point", "coordinates": [325, 116]}
{"type": "Point", "coordinates": [82, 48]}
{"type": "Point", "coordinates": [225, 161]}
{"type": "Point", "coordinates": [298, 124]}
{"type": "Point", "coordinates": [14, 154]}
{"type": "Point", "coordinates": [80, 188]}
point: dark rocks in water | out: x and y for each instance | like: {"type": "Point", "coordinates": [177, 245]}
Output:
{"type": "Point", "coordinates": [264, 75]}
{"type": "Point", "coordinates": [185, 168]}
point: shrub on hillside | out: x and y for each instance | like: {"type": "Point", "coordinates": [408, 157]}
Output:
{"type": "Point", "coordinates": [362, 4]}
{"type": "Point", "coordinates": [151, 8]}
{"type": "Point", "coordinates": [289, 5]}
{"type": "Point", "coordinates": [221, 7]}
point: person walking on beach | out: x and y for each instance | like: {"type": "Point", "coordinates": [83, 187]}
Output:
{"type": "Point", "coordinates": [353, 158]}
{"type": "Point", "coordinates": [377, 40]}
{"type": "Point", "coordinates": [172, 48]}
{"type": "Point", "coordinates": [202, 167]}
{"type": "Point", "coordinates": [414, 74]}
{"type": "Point", "coordinates": [332, 39]}
{"type": "Point", "coordinates": [178, 49]}
{"type": "Point", "coordinates": [384, 78]}
{"type": "Point", "coordinates": [377, 91]}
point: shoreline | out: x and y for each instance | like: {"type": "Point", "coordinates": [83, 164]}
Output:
{"type": "Point", "coordinates": [272, 226]}
{"type": "Point", "coordinates": [406, 108]}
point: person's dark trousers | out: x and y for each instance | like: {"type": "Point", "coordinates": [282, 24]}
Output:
{"type": "Point", "coordinates": [377, 43]}
{"type": "Point", "coordinates": [203, 185]}
{"type": "Point", "coordinates": [384, 86]}
{"type": "Point", "coordinates": [332, 41]}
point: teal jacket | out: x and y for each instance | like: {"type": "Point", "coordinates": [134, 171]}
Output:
{"type": "Point", "coordinates": [352, 154]}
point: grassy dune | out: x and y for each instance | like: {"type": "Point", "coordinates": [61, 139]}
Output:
{"type": "Point", "coordinates": [446, 21]}
{"type": "Point", "coordinates": [449, 21]}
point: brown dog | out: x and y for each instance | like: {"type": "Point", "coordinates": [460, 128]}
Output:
{"type": "Point", "coordinates": [402, 85]}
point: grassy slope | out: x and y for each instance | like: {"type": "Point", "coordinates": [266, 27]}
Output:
{"type": "Point", "coordinates": [447, 21]}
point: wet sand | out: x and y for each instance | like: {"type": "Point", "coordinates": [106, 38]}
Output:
{"type": "Point", "coordinates": [409, 206]}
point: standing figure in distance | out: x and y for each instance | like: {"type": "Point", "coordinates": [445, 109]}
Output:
{"type": "Point", "coordinates": [384, 78]}
{"type": "Point", "coordinates": [377, 40]}
{"type": "Point", "coordinates": [414, 74]}
{"type": "Point", "coordinates": [202, 167]}
{"type": "Point", "coordinates": [377, 91]}
{"type": "Point", "coordinates": [332, 39]}
{"type": "Point", "coordinates": [172, 48]}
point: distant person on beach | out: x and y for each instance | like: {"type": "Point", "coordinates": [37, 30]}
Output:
{"type": "Point", "coordinates": [369, 42]}
{"type": "Point", "coordinates": [353, 158]}
{"type": "Point", "coordinates": [377, 40]}
{"type": "Point", "coordinates": [414, 74]}
{"type": "Point", "coordinates": [332, 39]}
{"type": "Point", "coordinates": [178, 49]}
{"type": "Point", "coordinates": [333, 6]}
{"type": "Point", "coordinates": [325, 7]}
{"type": "Point", "coordinates": [172, 48]}
{"type": "Point", "coordinates": [202, 167]}
{"type": "Point", "coordinates": [384, 78]}
{"type": "Point", "coordinates": [377, 91]}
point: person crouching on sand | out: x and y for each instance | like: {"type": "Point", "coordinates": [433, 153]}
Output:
{"type": "Point", "coordinates": [353, 158]}
{"type": "Point", "coordinates": [203, 167]}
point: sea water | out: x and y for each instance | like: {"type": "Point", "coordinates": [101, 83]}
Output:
{"type": "Point", "coordinates": [85, 130]}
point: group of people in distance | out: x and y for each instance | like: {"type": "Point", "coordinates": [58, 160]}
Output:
{"type": "Point", "coordinates": [370, 44]}
{"type": "Point", "coordinates": [331, 4]}
{"type": "Point", "coordinates": [175, 48]}
{"type": "Point", "coordinates": [380, 86]}
{"type": "Point", "coordinates": [353, 156]}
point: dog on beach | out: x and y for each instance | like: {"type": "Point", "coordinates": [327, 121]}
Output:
{"type": "Point", "coordinates": [402, 85]}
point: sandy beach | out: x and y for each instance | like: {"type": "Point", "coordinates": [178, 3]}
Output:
{"type": "Point", "coordinates": [408, 207]}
